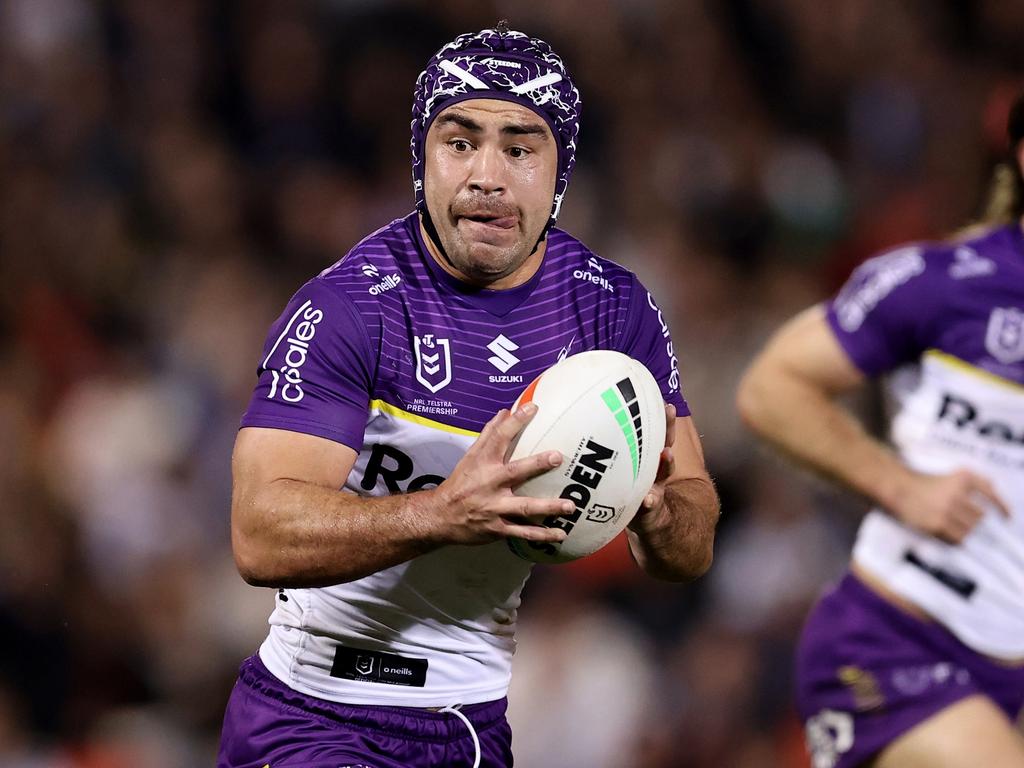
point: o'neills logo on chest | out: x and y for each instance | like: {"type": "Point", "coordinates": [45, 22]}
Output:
{"type": "Point", "coordinates": [389, 282]}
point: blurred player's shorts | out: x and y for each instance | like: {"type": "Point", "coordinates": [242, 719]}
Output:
{"type": "Point", "coordinates": [867, 672]}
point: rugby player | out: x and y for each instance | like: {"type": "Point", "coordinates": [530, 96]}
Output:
{"type": "Point", "coordinates": [370, 485]}
{"type": "Point", "coordinates": [916, 658]}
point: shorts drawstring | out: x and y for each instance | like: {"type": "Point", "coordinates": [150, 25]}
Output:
{"type": "Point", "coordinates": [454, 709]}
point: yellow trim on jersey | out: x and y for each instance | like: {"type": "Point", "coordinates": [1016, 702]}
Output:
{"type": "Point", "coordinates": [394, 410]}
{"type": "Point", "coordinates": [962, 365]}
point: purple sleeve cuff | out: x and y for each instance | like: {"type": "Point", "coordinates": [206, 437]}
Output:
{"type": "Point", "coordinates": [868, 360]}
{"type": "Point", "coordinates": [352, 437]}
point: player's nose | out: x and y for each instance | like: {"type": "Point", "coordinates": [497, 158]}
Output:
{"type": "Point", "coordinates": [487, 171]}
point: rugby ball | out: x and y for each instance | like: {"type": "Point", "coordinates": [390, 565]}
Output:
{"type": "Point", "coordinates": [604, 411]}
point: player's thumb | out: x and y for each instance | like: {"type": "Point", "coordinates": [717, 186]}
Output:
{"type": "Point", "coordinates": [981, 486]}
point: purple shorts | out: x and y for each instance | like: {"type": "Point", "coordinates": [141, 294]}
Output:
{"type": "Point", "coordinates": [268, 723]}
{"type": "Point", "coordinates": [867, 672]}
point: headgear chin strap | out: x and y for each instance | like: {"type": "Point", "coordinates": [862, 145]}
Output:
{"type": "Point", "coordinates": [497, 64]}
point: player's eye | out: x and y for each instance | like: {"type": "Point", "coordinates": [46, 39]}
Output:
{"type": "Point", "coordinates": [459, 145]}
{"type": "Point", "coordinates": [518, 152]}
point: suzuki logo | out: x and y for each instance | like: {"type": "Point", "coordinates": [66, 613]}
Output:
{"type": "Point", "coordinates": [433, 362]}
{"type": "Point", "coordinates": [503, 358]}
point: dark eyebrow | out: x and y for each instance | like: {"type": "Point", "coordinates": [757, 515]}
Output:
{"type": "Point", "coordinates": [465, 122]}
{"type": "Point", "coordinates": [528, 129]}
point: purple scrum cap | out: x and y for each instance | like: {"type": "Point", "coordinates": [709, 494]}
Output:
{"type": "Point", "coordinates": [498, 64]}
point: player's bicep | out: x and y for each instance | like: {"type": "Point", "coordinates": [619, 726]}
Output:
{"type": "Point", "coordinates": [272, 469]}
{"type": "Point", "coordinates": [264, 456]}
{"type": "Point", "coordinates": [806, 348]}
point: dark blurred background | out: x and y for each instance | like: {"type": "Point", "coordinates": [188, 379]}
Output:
{"type": "Point", "coordinates": [171, 171]}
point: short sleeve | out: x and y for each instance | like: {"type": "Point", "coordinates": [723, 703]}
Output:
{"type": "Point", "coordinates": [646, 338]}
{"type": "Point", "coordinates": [316, 370]}
{"type": "Point", "coordinates": [884, 314]}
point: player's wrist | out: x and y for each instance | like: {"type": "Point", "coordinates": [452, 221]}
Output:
{"type": "Point", "coordinates": [892, 488]}
{"type": "Point", "coordinates": [425, 514]}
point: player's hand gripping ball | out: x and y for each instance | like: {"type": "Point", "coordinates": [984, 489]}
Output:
{"type": "Point", "coordinates": [604, 412]}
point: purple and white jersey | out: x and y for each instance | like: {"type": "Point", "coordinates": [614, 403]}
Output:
{"type": "Point", "coordinates": [948, 321]}
{"type": "Point", "coordinates": [392, 356]}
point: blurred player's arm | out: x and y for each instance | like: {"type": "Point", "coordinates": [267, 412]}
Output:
{"type": "Point", "coordinates": [672, 536]}
{"type": "Point", "coordinates": [787, 396]}
{"type": "Point", "coordinates": [292, 527]}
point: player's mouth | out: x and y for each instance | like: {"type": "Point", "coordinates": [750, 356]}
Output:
{"type": "Point", "coordinates": [490, 221]}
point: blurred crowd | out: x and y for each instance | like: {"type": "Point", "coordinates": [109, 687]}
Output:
{"type": "Point", "coordinates": [170, 172]}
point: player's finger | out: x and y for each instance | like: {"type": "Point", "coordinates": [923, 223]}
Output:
{"type": "Point", "coordinates": [950, 536]}
{"type": "Point", "coordinates": [962, 517]}
{"type": "Point", "coordinates": [652, 499]}
{"type": "Point", "coordinates": [982, 487]}
{"type": "Point", "coordinates": [507, 429]}
{"type": "Point", "coordinates": [960, 529]}
{"type": "Point", "coordinates": [968, 513]}
{"type": "Point", "coordinates": [670, 425]}
{"type": "Point", "coordinates": [521, 470]}
{"type": "Point", "coordinates": [535, 533]}
{"type": "Point", "coordinates": [486, 434]}
{"type": "Point", "coordinates": [526, 508]}
{"type": "Point", "coordinates": [666, 466]}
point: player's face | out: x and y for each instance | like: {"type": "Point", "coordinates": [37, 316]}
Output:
{"type": "Point", "coordinates": [489, 183]}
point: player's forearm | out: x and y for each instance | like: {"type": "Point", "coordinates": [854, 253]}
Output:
{"type": "Point", "coordinates": [295, 534]}
{"type": "Point", "coordinates": [807, 424]}
{"type": "Point", "coordinates": [676, 541]}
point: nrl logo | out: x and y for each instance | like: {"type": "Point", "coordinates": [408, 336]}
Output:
{"type": "Point", "coordinates": [364, 665]}
{"type": "Point", "coordinates": [1004, 338]}
{"type": "Point", "coordinates": [433, 362]}
{"type": "Point", "coordinates": [600, 513]}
